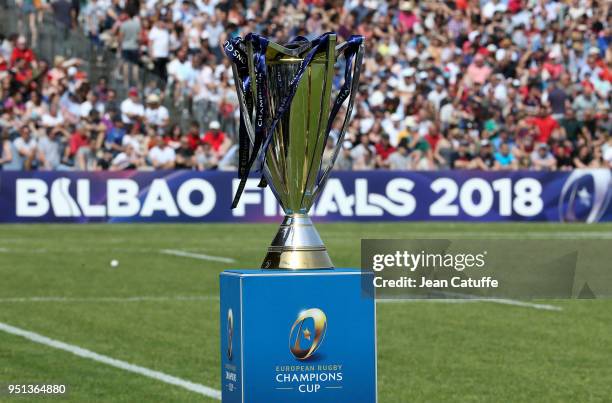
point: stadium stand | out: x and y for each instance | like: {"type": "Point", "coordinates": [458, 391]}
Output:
{"type": "Point", "coordinates": [489, 85]}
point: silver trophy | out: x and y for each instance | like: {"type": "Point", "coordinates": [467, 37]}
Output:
{"type": "Point", "coordinates": [298, 77]}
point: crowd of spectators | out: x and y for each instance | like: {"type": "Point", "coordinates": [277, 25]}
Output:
{"type": "Point", "coordinates": [456, 84]}
{"type": "Point", "coordinates": [53, 118]}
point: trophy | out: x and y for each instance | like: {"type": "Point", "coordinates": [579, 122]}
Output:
{"type": "Point", "coordinates": [286, 114]}
{"type": "Point", "coordinates": [269, 349]}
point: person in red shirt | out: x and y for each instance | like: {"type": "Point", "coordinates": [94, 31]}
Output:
{"type": "Point", "coordinates": [605, 72]}
{"type": "Point", "coordinates": [78, 139]}
{"type": "Point", "coordinates": [22, 71]}
{"type": "Point", "coordinates": [216, 138]}
{"type": "Point", "coordinates": [22, 52]}
{"type": "Point", "coordinates": [461, 4]}
{"type": "Point", "coordinates": [514, 6]}
{"type": "Point", "coordinates": [193, 136]}
{"type": "Point", "coordinates": [433, 136]}
{"type": "Point", "coordinates": [383, 150]}
{"type": "Point", "coordinates": [79, 152]}
{"type": "Point", "coordinates": [545, 124]}
{"type": "Point", "coordinates": [4, 66]}
{"type": "Point", "coordinates": [554, 66]}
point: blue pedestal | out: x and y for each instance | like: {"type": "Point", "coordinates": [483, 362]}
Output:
{"type": "Point", "coordinates": [288, 337]}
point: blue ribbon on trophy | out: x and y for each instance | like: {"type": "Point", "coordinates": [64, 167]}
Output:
{"type": "Point", "coordinates": [350, 49]}
{"type": "Point", "coordinates": [260, 45]}
{"type": "Point", "coordinates": [235, 50]}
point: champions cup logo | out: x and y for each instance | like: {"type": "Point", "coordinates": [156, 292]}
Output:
{"type": "Point", "coordinates": [307, 333]}
{"type": "Point", "coordinates": [586, 195]}
{"type": "Point", "coordinates": [230, 333]}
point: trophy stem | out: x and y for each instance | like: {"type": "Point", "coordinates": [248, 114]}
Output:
{"type": "Point", "coordinates": [297, 246]}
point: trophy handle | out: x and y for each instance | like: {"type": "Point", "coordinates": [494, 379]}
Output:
{"type": "Point", "coordinates": [349, 109]}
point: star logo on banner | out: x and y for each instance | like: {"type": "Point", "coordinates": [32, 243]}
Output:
{"type": "Point", "coordinates": [584, 196]}
{"type": "Point", "coordinates": [306, 334]}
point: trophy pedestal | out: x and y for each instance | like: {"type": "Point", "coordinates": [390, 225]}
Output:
{"type": "Point", "coordinates": [297, 246]}
{"type": "Point", "coordinates": [297, 336]}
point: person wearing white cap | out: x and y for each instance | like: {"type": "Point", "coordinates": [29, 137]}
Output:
{"type": "Point", "coordinates": [407, 84]}
{"type": "Point", "coordinates": [155, 113]}
{"type": "Point", "coordinates": [217, 139]}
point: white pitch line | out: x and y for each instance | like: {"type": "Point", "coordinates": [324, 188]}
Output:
{"type": "Point", "coordinates": [81, 352]}
{"type": "Point", "coordinates": [110, 299]}
{"type": "Point", "coordinates": [595, 235]}
{"type": "Point", "coordinates": [502, 301]}
{"type": "Point", "coordinates": [197, 255]}
{"type": "Point", "coordinates": [410, 300]}
{"type": "Point", "coordinates": [216, 298]}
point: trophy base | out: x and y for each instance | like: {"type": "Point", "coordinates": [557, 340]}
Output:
{"type": "Point", "coordinates": [264, 323]}
{"type": "Point", "coordinates": [297, 246]}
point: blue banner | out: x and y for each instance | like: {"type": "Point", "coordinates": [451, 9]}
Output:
{"type": "Point", "coordinates": [189, 196]}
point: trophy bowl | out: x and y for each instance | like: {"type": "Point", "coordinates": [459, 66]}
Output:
{"type": "Point", "coordinates": [286, 108]}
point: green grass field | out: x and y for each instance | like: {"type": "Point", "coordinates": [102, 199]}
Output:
{"type": "Point", "coordinates": [160, 311]}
